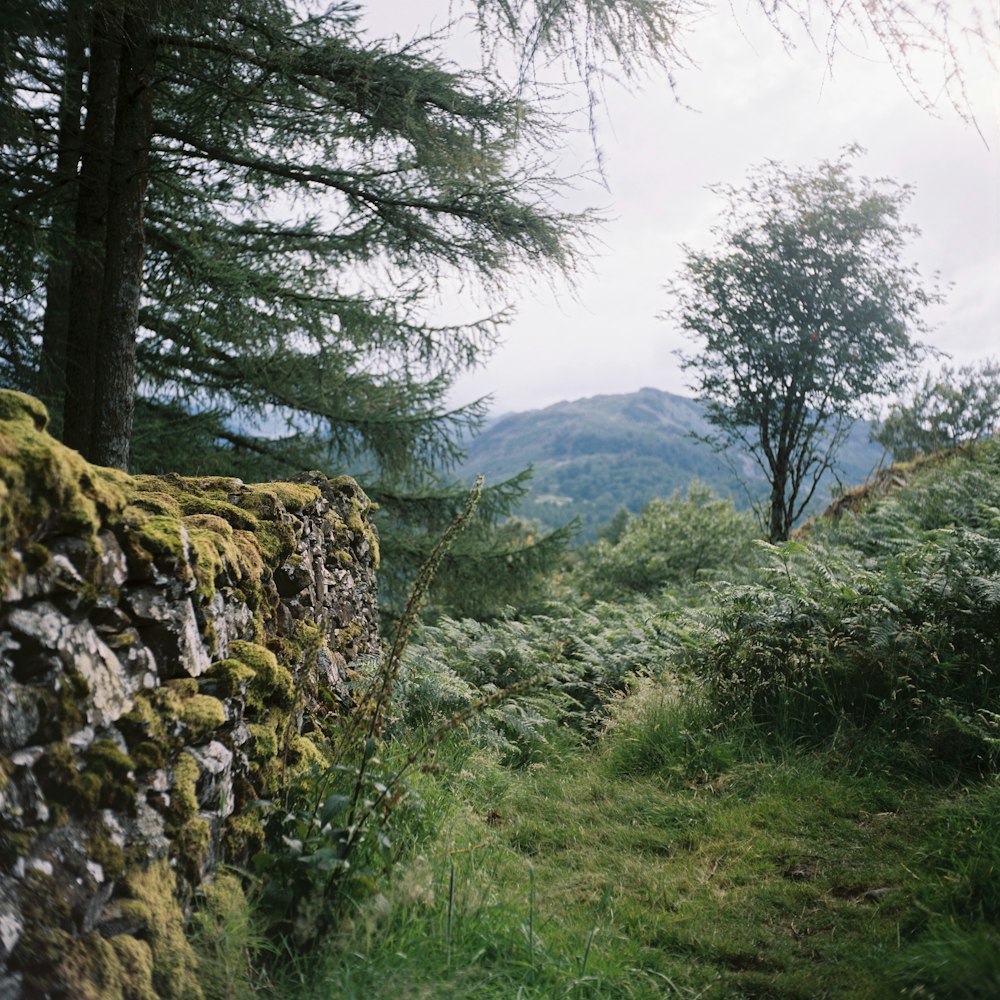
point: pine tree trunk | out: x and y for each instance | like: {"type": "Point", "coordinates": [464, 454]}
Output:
{"type": "Point", "coordinates": [90, 239]}
{"type": "Point", "coordinates": [115, 390]}
{"type": "Point", "coordinates": [55, 324]}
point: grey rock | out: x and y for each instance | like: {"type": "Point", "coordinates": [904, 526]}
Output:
{"type": "Point", "coordinates": [112, 563]}
{"type": "Point", "coordinates": [79, 648]}
{"type": "Point", "coordinates": [19, 713]}
{"type": "Point", "coordinates": [110, 690]}
{"type": "Point", "coordinates": [27, 757]}
{"type": "Point", "coordinates": [215, 785]}
{"type": "Point", "coordinates": [170, 629]}
{"type": "Point", "coordinates": [11, 924]}
{"type": "Point", "coordinates": [82, 739]}
{"type": "Point", "coordinates": [11, 986]}
{"type": "Point", "coordinates": [23, 804]}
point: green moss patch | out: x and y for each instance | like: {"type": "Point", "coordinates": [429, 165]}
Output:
{"type": "Point", "coordinates": [45, 939]}
{"type": "Point", "coordinates": [135, 960]}
{"type": "Point", "coordinates": [272, 684]}
{"type": "Point", "coordinates": [183, 794]}
{"type": "Point", "coordinates": [227, 678]}
{"type": "Point", "coordinates": [153, 901]}
{"type": "Point", "coordinates": [45, 487]}
{"type": "Point", "coordinates": [114, 769]}
{"type": "Point", "coordinates": [22, 408]}
{"type": "Point", "coordinates": [192, 843]}
{"type": "Point", "coordinates": [201, 715]}
{"type": "Point", "coordinates": [242, 837]}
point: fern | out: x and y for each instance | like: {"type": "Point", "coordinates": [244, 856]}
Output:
{"type": "Point", "coordinates": [888, 620]}
{"type": "Point", "coordinates": [574, 658]}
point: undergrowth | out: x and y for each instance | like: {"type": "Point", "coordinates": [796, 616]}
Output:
{"type": "Point", "coordinates": [889, 622]}
{"type": "Point", "coordinates": [786, 788]}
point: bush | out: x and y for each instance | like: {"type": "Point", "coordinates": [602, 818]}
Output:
{"type": "Point", "coordinates": [889, 621]}
{"type": "Point", "coordinates": [673, 543]}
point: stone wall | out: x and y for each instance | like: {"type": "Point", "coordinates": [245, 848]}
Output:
{"type": "Point", "coordinates": [169, 648]}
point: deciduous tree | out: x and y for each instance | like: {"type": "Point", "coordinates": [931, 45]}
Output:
{"type": "Point", "coordinates": [802, 314]}
{"type": "Point", "coordinates": [948, 408]}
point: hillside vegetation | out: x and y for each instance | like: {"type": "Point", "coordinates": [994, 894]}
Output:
{"type": "Point", "coordinates": [593, 456]}
{"type": "Point", "coordinates": [775, 775]}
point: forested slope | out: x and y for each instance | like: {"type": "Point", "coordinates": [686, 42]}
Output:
{"type": "Point", "coordinates": [593, 456]}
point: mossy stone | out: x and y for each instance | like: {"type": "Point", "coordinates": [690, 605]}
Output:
{"type": "Point", "coordinates": [143, 722]}
{"type": "Point", "coordinates": [47, 488]}
{"type": "Point", "coordinates": [227, 678]}
{"type": "Point", "coordinates": [294, 497]}
{"type": "Point", "coordinates": [242, 837]}
{"type": "Point", "coordinates": [192, 842]}
{"type": "Point", "coordinates": [272, 684]}
{"type": "Point", "coordinates": [117, 968]}
{"type": "Point", "coordinates": [19, 406]}
{"type": "Point", "coordinates": [148, 756]}
{"type": "Point", "coordinates": [45, 939]}
{"type": "Point", "coordinates": [136, 962]}
{"type": "Point", "coordinates": [102, 849]}
{"type": "Point", "coordinates": [265, 739]}
{"type": "Point", "coordinates": [183, 793]}
{"type": "Point", "coordinates": [59, 773]}
{"type": "Point", "coordinates": [201, 715]}
{"type": "Point", "coordinates": [61, 706]}
{"type": "Point", "coordinates": [153, 901]}
{"type": "Point", "coordinates": [114, 770]}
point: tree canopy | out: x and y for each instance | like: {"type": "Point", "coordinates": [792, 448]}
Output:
{"type": "Point", "coordinates": [221, 224]}
{"type": "Point", "coordinates": [946, 409]}
{"type": "Point", "coordinates": [803, 313]}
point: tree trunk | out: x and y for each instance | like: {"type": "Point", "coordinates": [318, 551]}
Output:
{"type": "Point", "coordinates": [779, 513]}
{"type": "Point", "coordinates": [115, 390]}
{"type": "Point", "coordinates": [55, 324]}
{"type": "Point", "coordinates": [83, 323]}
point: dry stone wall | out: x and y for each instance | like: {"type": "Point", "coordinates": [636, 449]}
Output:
{"type": "Point", "coordinates": [169, 649]}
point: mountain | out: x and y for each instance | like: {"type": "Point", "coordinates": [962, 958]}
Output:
{"type": "Point", "coordinates": [593, 456]}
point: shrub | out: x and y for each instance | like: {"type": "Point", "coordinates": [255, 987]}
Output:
{"type": "Point", "coordinates": [891, 621]}
{"type": "Point", "coordinates": [674, 543]}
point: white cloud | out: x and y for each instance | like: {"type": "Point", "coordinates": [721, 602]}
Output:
{"type": "Point", "coordinates": [755, 101]}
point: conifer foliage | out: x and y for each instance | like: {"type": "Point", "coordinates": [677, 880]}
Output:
{"type": "Point", "coordinates": [222, 223]}
{"type": "Point", "coordinates": [234, 166]}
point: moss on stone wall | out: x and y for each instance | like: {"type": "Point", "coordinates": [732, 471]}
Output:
{"type": "Point", "coordinates": [45, 486]}
{"type": "Point", "coordinates": [166, 684]}
{"type": "Point", "coordinates": [154, 906]}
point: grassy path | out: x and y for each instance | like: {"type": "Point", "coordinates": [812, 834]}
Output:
{"type": "Point", "coordinates": [583, 877]}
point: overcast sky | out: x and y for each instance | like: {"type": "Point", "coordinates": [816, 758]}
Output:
{"type": "Point", "coordinates": [749, 99]}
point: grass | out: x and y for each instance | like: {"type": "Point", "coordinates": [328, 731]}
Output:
{"type": "Point", "coordinates": [814, 812]}
{"type": "Point", "coordinates": [609, 873]}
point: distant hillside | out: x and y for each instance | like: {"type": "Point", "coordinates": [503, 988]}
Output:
{"type": "Point", "coordinates": [593, 456]}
